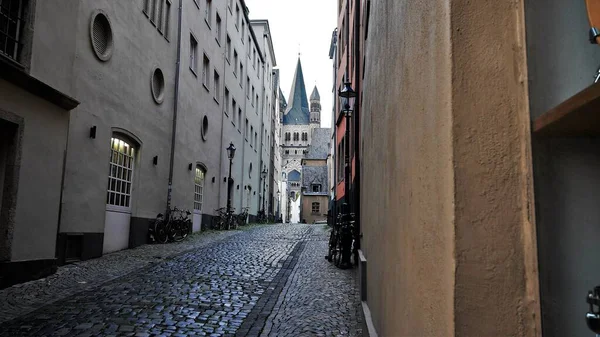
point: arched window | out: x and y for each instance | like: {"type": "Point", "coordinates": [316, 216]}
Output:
{"type": "Point", "coordinates": [316, 208]}
{"type": "Point", "coordinates": [120, 174]}
{"type": "Point", "coordinates": [199, 188]}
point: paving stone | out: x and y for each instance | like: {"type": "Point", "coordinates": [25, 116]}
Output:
{"type": "Point", "coordinates": [269, 280]}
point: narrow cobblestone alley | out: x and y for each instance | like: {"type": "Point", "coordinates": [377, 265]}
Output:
{"type": "Point", "coordinates": [265, 281]}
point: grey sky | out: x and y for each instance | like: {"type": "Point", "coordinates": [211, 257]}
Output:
{"type": "Point", "coordinates": [301, 26]}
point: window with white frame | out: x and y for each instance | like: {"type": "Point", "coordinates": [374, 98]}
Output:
{"type": "Point", "coordinates": [120, 174]}
{"type": "Point", "coordinates": [198, 188]}
{"type": "Point", "coordinates": [193, 54]}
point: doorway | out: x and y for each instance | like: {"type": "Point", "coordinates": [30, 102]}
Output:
{"type": "Point", "coordinates": [198, 197]}
{"type": "Point", "coordinates": [119, 194]}
{"type": "Point", "coordinates": [9, 171]}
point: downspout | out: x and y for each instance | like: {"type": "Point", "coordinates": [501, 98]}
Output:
{"type": "Point", "coordinates": [175, 107]}
{"type": "Point", "coordinates": [225, 106]}
{"type": "Point", "coordinates": [357, 78]}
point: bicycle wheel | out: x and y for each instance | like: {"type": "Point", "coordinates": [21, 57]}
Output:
{"type": "Point", "coordinates": [176, 231]}
{"type": "Point", "coordinates": [160, 231]}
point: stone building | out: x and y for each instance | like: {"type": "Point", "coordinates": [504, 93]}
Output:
{"type": "Point", "coordinates": [315, 176]}
{"type": "Point", "coordinates": [165, 86]}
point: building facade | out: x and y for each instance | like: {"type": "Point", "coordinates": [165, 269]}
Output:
{"type": "Point", "coordinates": [165, 86]}
{"type": "Point", "coordinates": [315, 176]}
{"type": "Point", "coordinates": [449, 243]}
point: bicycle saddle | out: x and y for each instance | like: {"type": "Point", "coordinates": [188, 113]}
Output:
{"type": "Point", "coordinates": [593, 11]}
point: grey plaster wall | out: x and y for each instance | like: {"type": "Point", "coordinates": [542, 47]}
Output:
{"type": "Point", "coordinates": [115, 95]}
{"type": "Point", "coordinates": [43, 144]}
{"type": "Point", "coordinates": [561, 62]}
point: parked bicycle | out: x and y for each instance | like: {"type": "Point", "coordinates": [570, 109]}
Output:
{"type": "Point", "coordinates": [225, 220]}
{"type": "Point", "coordinates": [242, 218]}
{"type": "Point", "coordinates": [175, 227]}
{"type": "Point", "coordinates": [262, 218]}
{"type": "Point", "coordinates": [342, 244]}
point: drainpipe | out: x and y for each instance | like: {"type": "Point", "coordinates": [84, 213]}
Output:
{"type": "Point", "coordinates": [175, 107]}
{"type": "Point", "coordinates": [357, 79]}
{"type": "Point", "coordinates": [225, 106]}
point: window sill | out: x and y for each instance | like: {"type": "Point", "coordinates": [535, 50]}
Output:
{"type": "Point", "coordinates": [218, 42]}
{"type": "Point", "coordinates": [216, 100]}
{"type": "Point", "coordinates": [234, 74]}
{"type": "Point", "coordinates": [145, 13]}
{"type": "Point", "coordinates": [228, 62]}
{"type": "Point", "coordinates": [208, 24]}
{"type": "Point", "coordinates": [205, 87]}
{"type": "Point", "coordinates": [232, 123]}
{"type": "Point", "coordinates": [197, 5]}
{"type": "Point", "coordinates": [193, 72]}
{"type": "Point", "coordinates": [239, 131]}
{"type": "Point", "coordinates": [237, 28]}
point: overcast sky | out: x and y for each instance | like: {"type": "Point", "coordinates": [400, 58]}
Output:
{"type": "Point", "coordinates": [301, 26]}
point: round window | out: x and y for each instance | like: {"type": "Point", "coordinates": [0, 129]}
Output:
{"type": "Point", "coordinates": [101, 36]}
{"type": "Point", "coordinates": [158, 85]}
{"type": "Point", "coordinates": [204, 128]}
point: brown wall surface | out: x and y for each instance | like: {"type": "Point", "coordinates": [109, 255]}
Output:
{"type": "Point", "coordinates": [307, 214]}
{"type": "Point", "coordinates": [407, 182]}
{"type": "Point", "coordinates": [446, 181]}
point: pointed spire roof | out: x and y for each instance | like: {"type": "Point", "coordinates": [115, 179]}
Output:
{"type": "Point", "coordinates": [315, 95]}
{"type": "Point", "coordinates": [298, 112]}
{"type": "Point", "coordinates": [282, 100]}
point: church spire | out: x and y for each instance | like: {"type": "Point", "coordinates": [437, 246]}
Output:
{"type": "Point", "coordinates": [298, 112]}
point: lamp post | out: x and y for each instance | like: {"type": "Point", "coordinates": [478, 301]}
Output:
{"type": "Point", "coordinates": [230, 154]}
{"type": "Point", "coordinates": [278, 204]}
{"type": "Point", "coordinates": [263, 174]}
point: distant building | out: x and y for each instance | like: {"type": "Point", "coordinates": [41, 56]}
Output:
{"type": "Point", "coordinates": [315, 177]}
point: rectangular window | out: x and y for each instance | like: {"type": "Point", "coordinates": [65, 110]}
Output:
{"type": "Point", "coordinates": [233, 109]}
{"type": "Point", "coordinates": [167, 19]}
{"type": "Point", "coordinates": [146, 9]}
{"type": "Point", "coordinates": [218, 28]}
{"type": "Point", "coordinates": [240, 119]}
{"type": "Point", "coordinates": [316, 208]}
{"type": "Point", "coordinates": [228, 48]}
{"type": "Point", "coordinates": [251, 132]}
{"type": "Point", "coordinates": [217, 80]}
{"type": "Point", "coordinates": [152, 12]}
{"type": "Point", "coordinates": [198, 189]}
{"type": "Point", "coordinates": [237, 15]}
{"type": "Point", "coordinates": [249, 46]}
{"type": "Point", "coordinates": [230, 4]}
{"type": "Point", "coordinates": [11, 27]}
{"type": "Point", "coordinates": [257, 101]}
{"type": "Point", "coordinates": [243, 30]}
{"type": "Point", "coordinates": [252, 93]}
{"type": "Point", "coordinates": [235, 61]}
{"type": "Point", "coordinates": [226, 100]}
{"type": "Point", "coordinates": [255, 138]}
{"type": "Point", "coordinates": [160, 15]}
{"type": "Point", "coordinates": [206, 72]}
{"type": "Point", "coordinates": [241, 75]}
{"type": "Point", "coordinates": [247, 87]}
{"type": "Point", "coordinates": [254, 58]}
{"type": "Point", "coordinates": [246, 129]}
{"type": "Point", "coordinates": [208, 12]}
{"type": "Point", "coordinates": [193, 54]}
{"type": "Point", "coordinates": [120, 174]}
{"type": "Point", "coordinates": [316, 188]}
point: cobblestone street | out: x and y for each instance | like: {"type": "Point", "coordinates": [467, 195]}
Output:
{"type": "Point", "coordinates": [264, 281]}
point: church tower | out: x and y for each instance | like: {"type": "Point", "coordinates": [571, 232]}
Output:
{"type": "Point", "coordinates": [315, 109]}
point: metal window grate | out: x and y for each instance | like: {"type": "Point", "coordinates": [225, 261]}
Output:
{"type": "Point", "coordinates": [11, 27]}
{"type": "Point", "coordinates": [198, 188]}
{"type": "Point", "coordinates": [120, 175]}
{"type": "Point", "coordinates": [316, 207]}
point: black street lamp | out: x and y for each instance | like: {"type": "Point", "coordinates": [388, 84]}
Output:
{"type": "Point", "coordinates": [230, 154]}
{"type": "Point", "coordinates": [263, 174]}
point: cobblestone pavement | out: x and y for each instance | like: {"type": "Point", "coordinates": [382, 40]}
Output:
{"type": "Point", "coordinates": [270, 280]}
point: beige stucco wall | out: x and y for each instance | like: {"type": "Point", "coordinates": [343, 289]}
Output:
{"type": "Point", "coordinates": [307, 201]}
{"type": "Point", "coordinates": [43, 144]}
{"type": "Point", "coordinates": [446, 201]}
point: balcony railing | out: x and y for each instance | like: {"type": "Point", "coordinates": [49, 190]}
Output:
{"type": "Point", "coordinates": [11, 28]}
